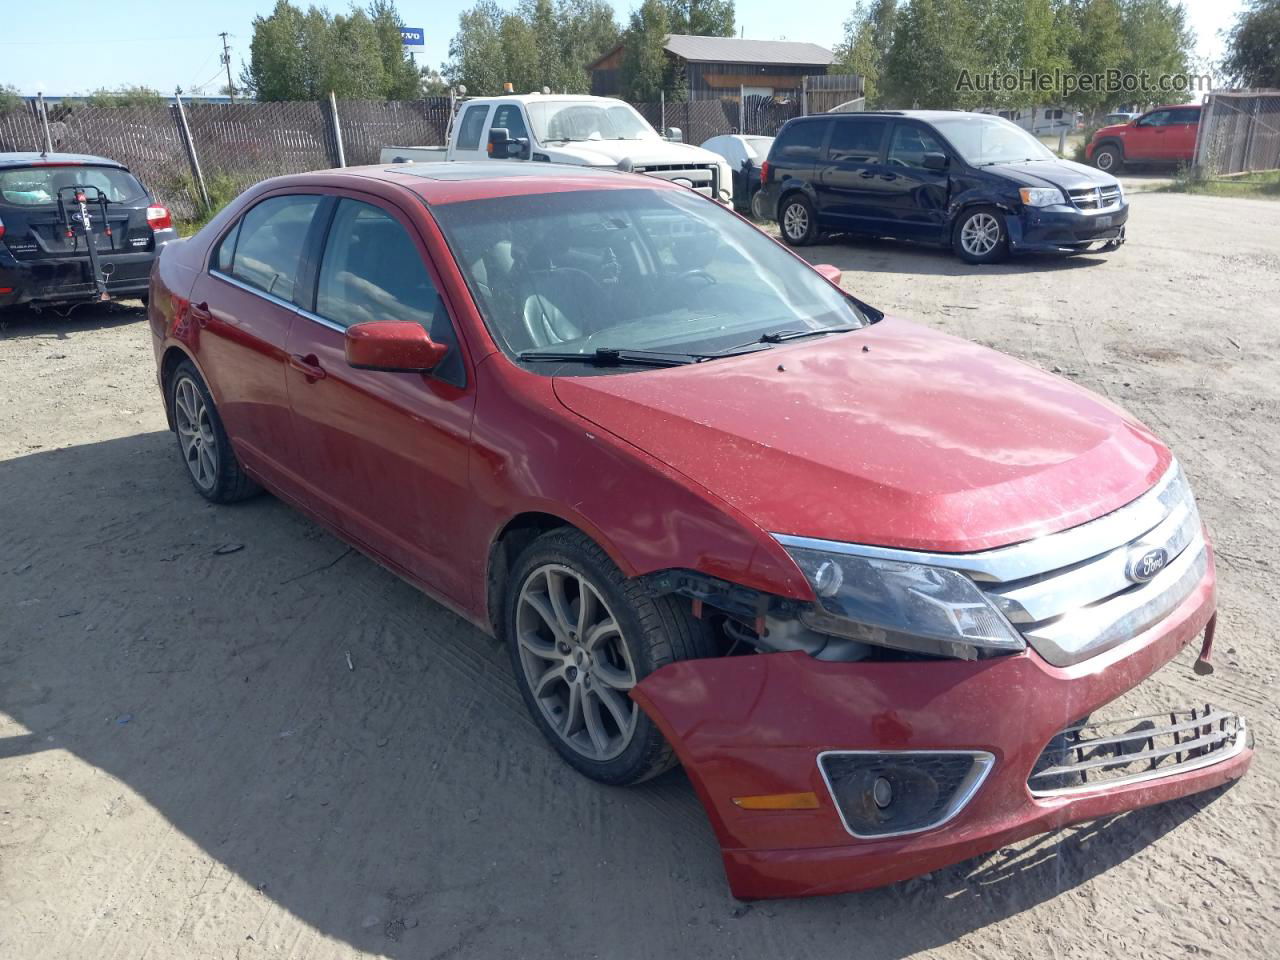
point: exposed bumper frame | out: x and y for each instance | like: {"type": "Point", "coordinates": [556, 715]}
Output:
{"type": "Point", "coordinates": [755, 725]}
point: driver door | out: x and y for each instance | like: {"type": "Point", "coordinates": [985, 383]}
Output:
{"type": "Point", "coordinates": [1147, 140]}
{"type": "Point", "coordinates": [384, 454]}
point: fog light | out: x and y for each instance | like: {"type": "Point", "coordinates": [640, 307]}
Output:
{"type": "Point", "coordinates": [887, 793]}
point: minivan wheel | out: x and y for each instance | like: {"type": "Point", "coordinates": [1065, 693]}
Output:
{"type": "Point", "coordinates": [580, 636]}
{"type": "Point", "coordinates": [1108, 159]}
{"type": "Point", "coordinates": [980, 236]}
{"type": "Point", "coordinates": [797, 220]}
{"type": "Point", "coordinates": [211, 463]}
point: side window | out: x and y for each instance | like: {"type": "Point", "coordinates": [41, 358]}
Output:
{"type": "Point", "coordinates": [801, 142]}
{"type": "Point", "coordinates": [268, 250]}
{"type": "Point", "coordinates": [1186, 117]}
{"type": "Point", "coordinates": [472, 126]}
{"type": "Point", "coordinates": [226, 250]}
{"type": "Point", "coordinates": [1158, 119]}
{"type": "Point", "coordinates": [509, 117]}
{"type": "Point", "coordinates": [910, 143]}
{"type": "Point", "coordinates": [856, 141]}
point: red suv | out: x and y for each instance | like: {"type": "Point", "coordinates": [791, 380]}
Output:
{"type": "Point", "coordinates": [1162, 135]}
{"type": "Point", "coordinates": [875, 587]}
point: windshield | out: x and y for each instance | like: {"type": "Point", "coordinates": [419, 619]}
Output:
{"type": "Point", "coordinates": [983, 139]}
{"type": "Point", "coordinates": [584, 120]}
{"type": "Point", "coordinates": [36, 186]}
{"type": "Point", "coordinates": [633, 269]}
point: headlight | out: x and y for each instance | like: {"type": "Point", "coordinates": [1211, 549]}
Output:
{"type": "Point", "coordinates": [1041, 196]}
{"type": "Point", "coordinates": [907, 606]}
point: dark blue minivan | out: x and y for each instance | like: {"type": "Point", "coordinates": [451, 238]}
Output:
{"type": "Point", "coordinates": [976, 183]}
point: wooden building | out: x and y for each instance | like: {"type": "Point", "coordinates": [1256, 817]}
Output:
{"type": "Point", "coordinates": [725, 67]}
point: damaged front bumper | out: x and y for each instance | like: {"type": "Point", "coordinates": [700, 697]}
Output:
{"type": "Point", "coordinates": [784, 725]}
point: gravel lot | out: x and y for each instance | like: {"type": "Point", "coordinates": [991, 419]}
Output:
{"type": "Point", "coordinates": [189, 768]}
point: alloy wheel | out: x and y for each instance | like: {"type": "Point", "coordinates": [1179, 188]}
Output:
{"type": "Point", "coordinates": [980, 234]}
{"type": "Point", "coordinates": [795, 221]}
{"type": "Point", "coordinates": [196, 436]}
{"type": "Point", "coordinates": [1105, 160]}
{"type": "Point", "coordinates": [576, 661]}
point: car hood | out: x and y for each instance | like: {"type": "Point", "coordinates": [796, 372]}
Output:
{"type": "Point", "coordinates": [1114, 130]}
{"type": "Point", "coordinates": [639, 152]}
{"type": "Point", "coordinates": [895, 435]}
{"type": "Point", "coordinates": [1064, 174]}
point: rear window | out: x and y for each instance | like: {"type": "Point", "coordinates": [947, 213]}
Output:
{"type": "Point", "coordinates": [39, 186]}
{"type": "Point", "coordinates": [800, 141]}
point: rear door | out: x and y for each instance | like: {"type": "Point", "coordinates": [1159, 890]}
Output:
{"type": "Point", "coordinates": [796, 151]}
{"type": "Point", "coordinates": [854, 185]}
{"type": "Point", "coordinates": [1181, 139]}
{"type": "Point", "coordinates": [469, 140]}
{"type": "Point", "coordinates": [244, 304]}
{"type": "Point", "coordinates": [915, 197]}
{"type": "Point", "coordinates": [384, 455]}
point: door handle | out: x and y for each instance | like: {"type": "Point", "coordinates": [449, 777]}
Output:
{"type": "Point", "coordinates": [308, 366]}
{"type": "Point", "coordinates": [888, 176]}
{"type": "Point", "coordinates": [867, 174]}
{"type": "Point", "coordinates": [200, 312]}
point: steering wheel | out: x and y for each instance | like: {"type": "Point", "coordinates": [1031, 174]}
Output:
{"type": "Point", "coordinates": [697, 274]}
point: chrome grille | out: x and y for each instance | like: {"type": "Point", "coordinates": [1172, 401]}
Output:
{"type": "Point", "coordinates": [1111, 753]}
{"type": "Point", "coordinates": [1095, 198]}
{"type": "Point", "coordinates": [701, 179]}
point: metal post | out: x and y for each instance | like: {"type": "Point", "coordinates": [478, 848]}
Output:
{"type": "Point", "coordinates": [662, 110]}
{"type": "Point", "coordinates": [742, 109]}
{"type": "Point", "coordinates": [191, 152]}
{"type": "Point", "coordinates": [337, 128]}
{"type": "Point", "coordinates": [44, 120]}
{"type": "Point", "coordinates": [804, 96]}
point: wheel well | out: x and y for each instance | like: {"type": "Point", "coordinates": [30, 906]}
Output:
{"type": "Point", "coordinates": [1109, 143]}
{"type": "Point", "coordinates": [959, 214]}
{"type": "Point", "coordinates": [172, 357]}
{"type": "Point", "coordinates": [520, 531]}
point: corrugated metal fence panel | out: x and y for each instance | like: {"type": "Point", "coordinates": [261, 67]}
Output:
{"type": "Point", "coordinates": [1239, 132]}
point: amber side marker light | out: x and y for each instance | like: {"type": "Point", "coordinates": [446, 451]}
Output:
{"type": "Point", "coordinates": [779, 801]}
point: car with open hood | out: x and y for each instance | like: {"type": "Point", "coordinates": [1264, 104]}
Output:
{"type": "Point", "coordinates": [974, 183]}
{"type": "Point", "coordinates": [875, 587]}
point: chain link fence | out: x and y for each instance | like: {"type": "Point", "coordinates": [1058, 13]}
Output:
{"type": "Point", "coordinates": [196, 156]}
{"type": "Point", "coordinates": [1239, 132]}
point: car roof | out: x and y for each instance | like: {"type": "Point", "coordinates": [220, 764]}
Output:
{"type": "Point", "coordinates": [926, 115]}
{"type": "Point", "coordinates": [453, 182]}
{"type": "Point", "coordinates": [51, 159]}
{"type": "Point", "coordinates": [540, 97]}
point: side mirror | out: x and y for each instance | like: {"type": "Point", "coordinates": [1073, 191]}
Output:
{"type": "Point", "coordinates": [936, 161]}
{"type": "Point", "coordinates": [674, 134]}
{"type": "Point", "coordinates": [502, 147]}
{"type": "Point", "coordinates": [829, 272]}
{"type": "Point", "coordinates": [397, 346]}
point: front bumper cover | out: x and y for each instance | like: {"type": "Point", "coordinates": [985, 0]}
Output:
{"type": "Point", "coordinates": [755, 725]}
{"type": "Point", "coordinates": [1058, 230]}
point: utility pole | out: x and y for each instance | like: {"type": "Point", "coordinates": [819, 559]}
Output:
{"type": "Point", "coordinates": [226, 61]}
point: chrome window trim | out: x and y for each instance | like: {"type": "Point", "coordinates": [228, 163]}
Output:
{"type": "Point", "coordinates": [1208, 760]}
{"type": "Point", "coordinates": [1030, 557]}
{"type": "Point", "coordinates": [983, 763]}
{"type": "Point", "coordinates": [278, 301]}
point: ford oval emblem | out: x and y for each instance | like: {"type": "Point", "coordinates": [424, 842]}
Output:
{"type": "Point", "coordinates": [1145, 563]}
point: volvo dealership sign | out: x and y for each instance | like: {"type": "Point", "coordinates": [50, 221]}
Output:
{"type": "Point", "coordinates": [412, 36]}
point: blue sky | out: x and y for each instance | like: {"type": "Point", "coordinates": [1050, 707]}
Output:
{"type": "Point", "coordinates": [163, 43]}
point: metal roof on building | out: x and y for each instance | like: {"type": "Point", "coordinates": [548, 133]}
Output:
{"type": "Point", "coordinates": [734, 50]}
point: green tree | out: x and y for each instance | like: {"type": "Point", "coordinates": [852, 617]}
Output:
{"type": "Point", "coordinates": [1098, 45]}
{"type": "Point", "coordinates": [647, 71]}
{"type": "Point", "coordinates": [10, 98]}
{"type": "Point", "coordinates": [701, 18]}
{"type": "Point", "coordinates": [935, 45]}
{"type": "Point", "coordinates": [868, 34]}
{"type": "Point", "coordinates": [476, 57]}
{"type": "Point", "coordinates": [1157, 42]}
{"type": "Point", "coordinates": [401, 79]}
{"type": "Point", "coordinates": [1253, 46]}
{"type": "Point", "coordinates": [131, 96]}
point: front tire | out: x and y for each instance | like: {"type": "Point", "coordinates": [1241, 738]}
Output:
{"type": "Point", "coordinates": [580, 636]}
{"type": "Point", "coordinates": [797, 220]}
{"type": "Point", "coordinates": [1108, 159]}
{"type": "Point", "coordinates": [203, 443]}
{"type": "Point", "coordinates": [981, 236]}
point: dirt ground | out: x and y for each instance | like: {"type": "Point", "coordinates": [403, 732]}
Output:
{"type": "Point", "coordinates": [191, 767]}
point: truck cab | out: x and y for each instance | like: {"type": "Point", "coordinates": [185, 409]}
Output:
{"type": "Point", "coordinates": [576, 130]}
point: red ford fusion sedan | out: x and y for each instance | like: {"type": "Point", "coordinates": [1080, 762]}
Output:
{"type": "Point", "coordinates": [875, 587]}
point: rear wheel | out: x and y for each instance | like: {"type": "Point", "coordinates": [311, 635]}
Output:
{"type": "Point", "coordinates": [215, 472]}
{"type": "Point", "coordinates": [1108, 159]}
{"type": "Point", "coordinates": [581, 635]}
{"type": "Point", "coordinates": [797, 220]}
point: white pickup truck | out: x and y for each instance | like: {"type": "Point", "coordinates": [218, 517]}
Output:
{"type": "Point", "coordinates": [578, 130]}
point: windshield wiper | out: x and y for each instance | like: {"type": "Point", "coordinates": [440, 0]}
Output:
{"type": "Point", "coordinates": [614, 357]}
{"type": "Point", "coordinates": [782, 336]}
